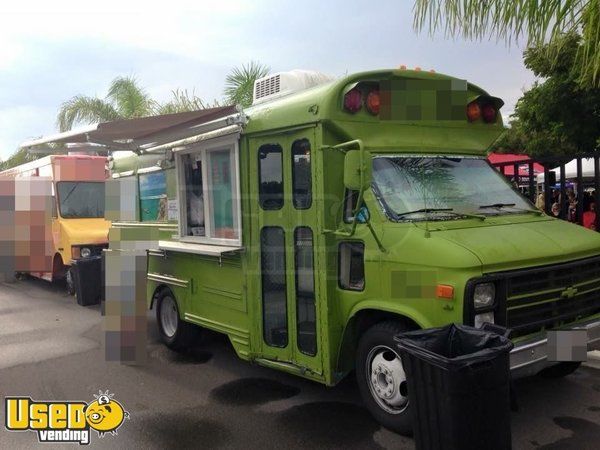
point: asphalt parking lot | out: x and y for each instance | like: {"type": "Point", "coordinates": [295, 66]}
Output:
{"type": "Point", "coordinates": [50, 349]}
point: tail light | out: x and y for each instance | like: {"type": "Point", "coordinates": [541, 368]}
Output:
{"type": "Point", "coordinates": [485, 108]}
{"type": "Point", "coordinates": [353, 101]}
{"type": "Point", "coordinates": [473, 111]}
{"type": "Point", "coordinates": [489, 113]}
{"type": "Point", "coordinates": [373, 102]}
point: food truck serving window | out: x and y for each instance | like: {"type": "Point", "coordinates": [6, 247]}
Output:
{"type": "Point", "coordinates": [208, 182]}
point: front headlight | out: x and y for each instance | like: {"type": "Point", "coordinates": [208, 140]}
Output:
{"type": "Point", "coordinates": [484, 295]}
{"type": "Point", "coordinates": [85, 252]}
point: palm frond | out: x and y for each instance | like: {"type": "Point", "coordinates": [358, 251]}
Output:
{"type": "Point", "coordinates": [20, 156]}
{"type": "Point", "coordinates": [537, 21]}
{"type": "Point", "coordinates": [239, 84]}
{"type": "Point", "coordinates": [183, 101]}
{"type": "Point", "coordinates": [82, 109]}
{"type": "Point", "coordinates": [129, 98]}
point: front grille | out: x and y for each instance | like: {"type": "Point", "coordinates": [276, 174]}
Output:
{"type": "Point", "coordinates": [551, 296]}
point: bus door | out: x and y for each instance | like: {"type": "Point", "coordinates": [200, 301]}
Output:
{"type": "Point", "coordinates": [286, 219]}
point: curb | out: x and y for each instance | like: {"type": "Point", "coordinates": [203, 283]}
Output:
{"type": "Point", "coordinates": [593, 359]}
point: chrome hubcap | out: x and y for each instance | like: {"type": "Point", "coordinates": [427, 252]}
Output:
{"type": "Point", "coordinates": [168, 316]}
{"type": "Point", "coordinates": [387, 380]}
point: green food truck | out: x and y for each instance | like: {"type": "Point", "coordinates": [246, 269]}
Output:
{"type": "Point", "coordinates": [331, 215]}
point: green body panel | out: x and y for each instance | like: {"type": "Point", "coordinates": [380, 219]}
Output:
{"type": "Point", "coordinates": [225, 294]}
{"type": "Point", "coordinates": [209, 293]}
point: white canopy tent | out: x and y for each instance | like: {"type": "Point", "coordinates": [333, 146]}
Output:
{"type": "Point", "coordinates": [587, 170]}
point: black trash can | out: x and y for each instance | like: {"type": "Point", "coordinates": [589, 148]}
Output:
{"type": "Point", "coordinates": [458, 386]}
{"type": "Point", "coordinates": [87, 274]}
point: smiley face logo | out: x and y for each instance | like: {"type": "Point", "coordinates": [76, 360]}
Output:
{"type": "Point", "coordinates": [105, 414]}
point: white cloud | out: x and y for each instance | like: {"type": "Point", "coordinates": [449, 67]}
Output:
{"type": "Point", "coordinates": [187, 28]}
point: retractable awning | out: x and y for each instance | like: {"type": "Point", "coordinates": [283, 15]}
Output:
{"type": "Point", "coordinates": [143, 133]}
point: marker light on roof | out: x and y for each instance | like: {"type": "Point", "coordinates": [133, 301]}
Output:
{"type": "Point", "coordinates": [353, 101]}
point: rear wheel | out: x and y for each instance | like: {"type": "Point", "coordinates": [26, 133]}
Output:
{"type": "Point", "coordinates": [381, 377]}
{"type": "Point", "coordinates": [174, 332]}
{"type": "Point", "coordinates": [560, 370]}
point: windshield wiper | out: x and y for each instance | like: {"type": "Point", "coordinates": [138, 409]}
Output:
{"type": "Point", "coordinates": [496, 205]}
{"type": "Point", "coordinates": [424, 210]}
{"type": "Point", "coordinates": [448, 210]}
{"type": "Point", "coordinates": [511, 205]}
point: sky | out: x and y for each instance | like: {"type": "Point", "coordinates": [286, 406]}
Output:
{"type": "Point", "coordinates": [53, 50]}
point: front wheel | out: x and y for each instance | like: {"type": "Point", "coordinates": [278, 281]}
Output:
{"type": "Point", "coordinates": [174, 332]}
{"type": "Point", "coordinates": [382, 379]}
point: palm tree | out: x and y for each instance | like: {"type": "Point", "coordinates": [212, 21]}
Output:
{"type": "Point", "coordinates": [20, 156]}
{"type": "Point", "coordinates": [239, 84]}
{"type": "Point", "coordinates": [183, 101]}
{"type": "Point", "coordinates": [125, 100]}
{"type": "Point", "coordinates": [540, 21]}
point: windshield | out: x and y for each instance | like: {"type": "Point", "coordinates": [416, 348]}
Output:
{"type": "Point", "coordinates": [78, 200]}
{"type": "Point", "coordinates": [442, 188]}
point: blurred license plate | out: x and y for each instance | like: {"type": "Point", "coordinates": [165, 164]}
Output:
{"type": "Point", "coordinates": [567, 345]}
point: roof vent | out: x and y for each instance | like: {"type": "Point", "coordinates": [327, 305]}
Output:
{"type": "Point", "coordinates": [286, 83]}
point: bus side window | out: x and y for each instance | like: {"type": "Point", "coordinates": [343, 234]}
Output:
{"type": "Point", "coordinates": [350, 200]}
{"type": "Point", "coordinates": [270, 172]}
{"type": "Point", "coordinates": [351, 266]}
{"type": "Point", "coordinates": [301, 175]}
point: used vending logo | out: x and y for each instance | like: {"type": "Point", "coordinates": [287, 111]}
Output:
{"type": "Point", "coordinates": [65, 421]}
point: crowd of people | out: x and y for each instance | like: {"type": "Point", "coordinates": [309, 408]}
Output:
{"type": "Point", "coordinates": [567, 210]}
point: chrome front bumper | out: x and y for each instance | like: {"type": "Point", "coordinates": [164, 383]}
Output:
{"type": "Point", "coordinates": [529, 357]}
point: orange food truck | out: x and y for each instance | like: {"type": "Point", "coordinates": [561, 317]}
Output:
{"type": "Point", "coordinates": [60, 200]}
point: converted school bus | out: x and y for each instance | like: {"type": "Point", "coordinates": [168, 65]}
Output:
{"type": "Point", "coordinates": [338, 216]}
{"type": "Point", "coordinates": [331, 215]}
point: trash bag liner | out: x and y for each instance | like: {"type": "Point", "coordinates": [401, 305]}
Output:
{"type": "Point", "coordinates": [454, 346]}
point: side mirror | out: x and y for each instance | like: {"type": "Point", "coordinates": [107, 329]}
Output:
{"type": "Point", "coordinates": [357, 170]}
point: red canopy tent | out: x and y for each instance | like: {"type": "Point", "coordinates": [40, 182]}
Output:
{"type": "Point", "coordinates": [506, 162]}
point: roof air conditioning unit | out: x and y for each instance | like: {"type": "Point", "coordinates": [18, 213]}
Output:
{"type": "Point", "coordinates": [281, 84]}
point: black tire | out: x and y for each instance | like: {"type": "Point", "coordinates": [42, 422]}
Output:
{"type": "Point", "coordinates": [375, 341]}
{"type": "Point", "coordinates": [560, 370]}
{"type": "Point", "coordinates": [184, 334]}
